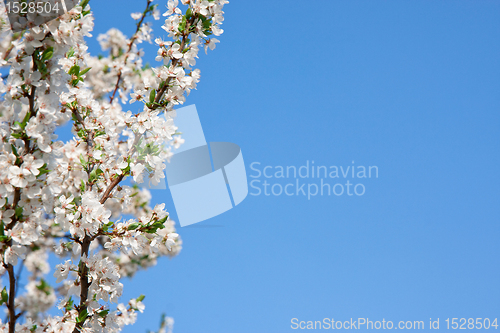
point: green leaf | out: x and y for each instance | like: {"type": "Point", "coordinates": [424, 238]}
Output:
{"type": "Point", "coordinates": [19, 212]}
{"type": "Point", "coordinates": [43, 170]}
{"type": "Point", "coordinates": [182, 25]}
{"type": "Point", "coordinates": [95, 174]}
{"type": "Point", "coordinates": [163, 220]}
{"type": "Point", "coordinates": [207, 24]}
{"type": "Point", "coordinates": [5, 295]}
{"type": "Point", "coordinates": [85, 71]}
{"type": "Point", "coordinates": [70, 53]}
{"type": "Point", "coordinates": [154, 227]}
{"type": "Point", "coordinates": [140, 298]}
{"type": "Point", "coordinates": [82, 186]}
{"type": "Point", "coordinates": [43, 69]}
{"type": "Point", "coordinates": [69, 304]}
{"type": "Point", "coordinates": [44, 286]}
{"type": "Point", "coordinates": [14, 150]}
{"type": "Point", "coordinates": [103, 313]}
{"type": "Point", "coordinates": [134, 226]}
{"type": "Point", "coordinates": [48, 53]}
{"type": "Point", "coordinates": [106, 226]}
{"type": "Point", "coordinates": [84, 3]}
{"type": "Point", "coordinates": [81, 134]}
{"type": "Point", "coordinates": [25, 121]}
{"type": "Point", "coordinates": [152, 96]}
{"type": "Point", "coordinates": [82, 316]}
{"type": "Point", "coordinates": [75, 69]}
{"type": "Point", "coordinates": [82, 160]}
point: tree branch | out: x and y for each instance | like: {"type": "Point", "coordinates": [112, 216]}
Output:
{"type": "Point", "coordinates": [118, 179]}
{"type": "Point", "coordinates": [17, 197]}
{"type": "Point", "coordinates": [12, 298]}
{"type": "Point", "coordinates": [132, 40]}
{"type": "Point", "coordinates": [159, 95]}
{"type": "Point", "coordinates": [110, 188]}
{"type": "Point", "coordinates": [84, 282]}
{"type": "Point", "coordinates": [83, 272]}
{"type": "Point", "coordinates": [160, 92]}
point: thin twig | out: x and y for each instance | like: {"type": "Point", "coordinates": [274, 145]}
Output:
{"type": "Point", "coordinates": [159, 94]}
{"type": "Point", "coordinates": [84, 282]}
{"type": "Point", "coordinates": [131, 43]}
{"type": "Point", "coordinates": [118, 179]}
{"type": "Point", "coordinates": [7, 53]}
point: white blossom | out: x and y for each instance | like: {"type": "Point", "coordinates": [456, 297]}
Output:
{"type": "Point", "coordinates": [70, 198]}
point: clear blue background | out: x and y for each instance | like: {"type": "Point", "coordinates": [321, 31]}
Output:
{"type": "Point", "coordinates": [409, 86]}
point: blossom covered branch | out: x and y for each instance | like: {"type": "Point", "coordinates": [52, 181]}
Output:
{"type": "Point", "coordinates": [69, 198]}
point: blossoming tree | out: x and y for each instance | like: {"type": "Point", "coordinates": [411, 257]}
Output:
{"type": "Point", "coordinates": [68, 199]}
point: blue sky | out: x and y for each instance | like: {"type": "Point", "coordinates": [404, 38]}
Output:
{"type": "Point", "coordinates": [411, 87]}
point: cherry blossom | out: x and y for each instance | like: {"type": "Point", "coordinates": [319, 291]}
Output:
{"type": "Point", "coordinates": [79, 199]}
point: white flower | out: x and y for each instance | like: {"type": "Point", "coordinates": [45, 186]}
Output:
{"type": "Point", "coordinates": [137, 172]}
{"type": "Point", "coordinates": [201, 7]}
{"type": "Point", "coordinates": [175, 51]}
{"type": "Point", "coordinates": [50, 199]}
{"type": "Point", "coordinates": [97, 154]}
{"type": "Point", "coordinates": [136, 16]}
{"type": "Point", "coordinates": [156, 14]}
{"type": "Point", "coordinates": [137, 95]}
{"type": "Point", "coordinates": [172, 8]}
{"type": "Point", "coordinates": [171, 238]}
{"type": "Point", "coordinates": [32, 165]}
{"type": "Point", "coordinates": [19, 176]}
{"type": "Point", "coordinates": [13, 253]}
{"type": "Point", "coordinates": [178, 141]}
{"type": "Point", "coordinates": [134, 304]}
{"type": "Point", "coordinates": [62, 271]}
{"type": "Point", "coordinates": [33, 40]}
{"type": "Point", "coordinates": [211, 44]}
{"type": "Point", "coordinates": [33, 79]}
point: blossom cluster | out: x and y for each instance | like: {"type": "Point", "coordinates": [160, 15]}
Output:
{"type": "Point", "coordinates": [79, 200]}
